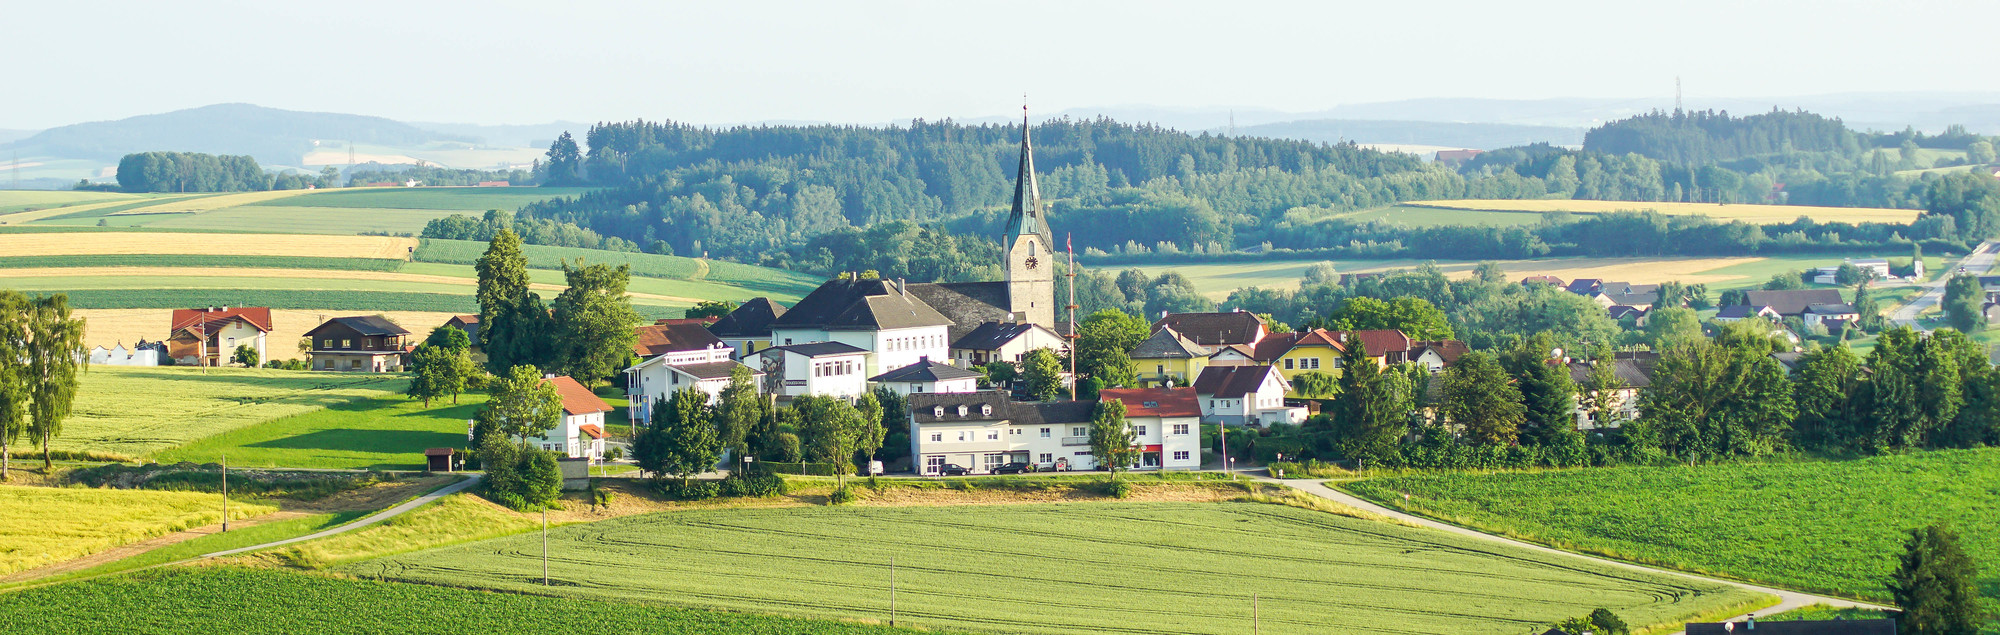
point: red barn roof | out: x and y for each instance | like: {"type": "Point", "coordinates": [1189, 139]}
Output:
{"type": "Point", "coordinates": [577, 400]}
{"type": "Point", "coordinates": [205, 319]}
{"type": "Point", "coordinates": [1155, 402]}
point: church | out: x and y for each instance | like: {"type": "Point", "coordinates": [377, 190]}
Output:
{"type": "Point", "coordinates": [902, 324]}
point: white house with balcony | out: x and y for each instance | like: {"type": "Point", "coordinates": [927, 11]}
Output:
{"type": "Point", "coordinates": [674, 357]}
{"type": "Point", "coordinates": [831, 369]}
{"type": "Point", "coordinates": [580, 435]}
{"type": "Point", "coordinates": [1245, 395]}
{"type": "Point", "coordinates": [981, 431]}
{"type": "Point", "coordinates": [927, 376]}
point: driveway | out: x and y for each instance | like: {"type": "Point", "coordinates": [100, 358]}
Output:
{"type": "Point", "coordinates": [1976, 263]}
{"type": "Point", "coordinates": [1787, 600]}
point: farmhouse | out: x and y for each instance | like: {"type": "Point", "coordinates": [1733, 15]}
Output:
{"type": "Point", "coordinates": [1436, 355]}
{"type": "Point", "coordinates": [210, 336]}
{"type": "Point", "coordinates": [1820, 314]}
{"type": "Point", "coordinates": [581, 433]}
{"type": "Point", "coordinates": [1622, 404]}
{"type": "Point", "coordinates": [1793, 302]}
{"type": "Point", "coordinates": [1216, 329]}
{"type": "Point", "coordinates": [1003, 341]}
{"type": "Point", "coordinates": [748, 328]}
{"type": "Point", "coordinates": [1737, 312]}
{"type": "Point", "coordinates": [833, 369]}
{"type": "Point", "coordinates": [470, 325]}
{"type": "Point", "coordinates": [928, 376]}
{"type": "Point", "coordinates": [369, 343]}
{"type": "Point", "coordinates": [984, 430]}
{"type": "Point", "coordinates": [1304, 351]}
{"type": "Point", "coordinates": [1165, 424]}
{"type": "Point", "coordinates": [1245, 395]}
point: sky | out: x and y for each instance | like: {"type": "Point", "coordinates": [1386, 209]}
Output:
{"type": "Point", "coordinates": [515, 62]}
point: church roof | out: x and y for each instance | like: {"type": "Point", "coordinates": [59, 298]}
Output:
{"type": "Point", "coordinates": [859, 305]}
{"type": "Point", "coordinates": [966, 304]}
{"type": "Point", "coordinates": [1026, 218]}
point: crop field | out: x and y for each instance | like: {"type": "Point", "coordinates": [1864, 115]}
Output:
{"type": "Point", "coordinates": [57, 244]}
{"type": "Point", "coordinates": [383, 433]}
{"type": "Point", "coordinates": [1756, 214]}
{"type": "Point", "coordinates": [1068, 568]}
{"type": "Point", "coordinates": [460, 199]}
{"type": "Point", "coordinates": [111, 327]}
{"type": "Point", "coordinates": [1835, 527]}
{"type": "Point", "coordinates": [139, 411]}
{"type": "Point", "coordinates": [178, 601]}
{"type": "Point", "coordinates": [296, 220]}
{"type": "Point", "coordinates": [335, 211]}
{"type": "Point", "coordinates": [184, 260]}
{"type": "Point", "coordinates": [760, 280]}
{"type": "Point", "coordinates": [44, 525]}
{"type": "Point", "coordinates": [19, 200]}
{"type": "Point", "coordinates": [1416, 216]}
{"type": "Point", "coordinates": [328, 303]}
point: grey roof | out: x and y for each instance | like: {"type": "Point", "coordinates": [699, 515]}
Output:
{"type": "Point", "coordinates": [712, 370]}
{"type": "Point", "coordinates": [1830, 309]}
{"type": "Point", "coordinates": [991, 336]}
{"type": "Point", "coordinates": [925, 370]}
{"type": "Point", "coordinates": [1635, 373]}
{"type": "Point", "coordinates": [1214, 329]}
{"type": "Point", "coordinates": [1584, 286]}
{"type": "Point", "coordinates": [923, 408]}
{"type": "Point", "coordinates": [368, 325]}
{"type": "Point", "coordinates": [1788, 360]}
{"type": "Point", "coordinates": [1230, 382]}
{"type": "Point", "coordinates": [751, 319]}
{"type": "Point", "coordinates": [818, 349]}
{"type": "Point", "coordinates": [1168, 343]}
{"type": "Point", "coordinates": [1798, 627]}
{"type": "Point", "coordinates": [1739, 311]}
{"type": "Point", "coordinates": [1026, 217]}
{"type": "Point", "coordinates": [1793, 301]}
{"type": "Point", "coordinates": [859, 305]}
{"type": "Point", "coordinates": [966, 304]}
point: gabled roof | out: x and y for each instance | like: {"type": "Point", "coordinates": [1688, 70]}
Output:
{"type": "Point", "coordinates": [591, 430]}
{"type": "Point", "coordinates": [923, 409]}
{"type": "Point", "coordinates": [925, 370]}
{"type": "Point", "coordinates": [660, 339]}
{"type": "Point", "coordinates": [577, 400]}
{"type": "Point", "coordinates": [1619, 311]}
{"type": "Point", "coordinates": [255, 316]}
{"type": "Point", "coordinates": [698, 321]}
{"type": "Point", "coordinates": [750, 320]}
{"type": "Point", "coordinates": [368, 325]}
{"type": "Point", "coordinates": [1738, 311]}
{"type": "Point", "coordinates": [992, 335]}
{"type": "Point", "coordinates": [1376, 342]}
{"type": "Point", "coordinates": [1585, 286]}
{"type": "Point", "coordinates": [1793, 301]}
{"type": "Point", "coordinates": [859, 305]}
{"type": "Point", "coordinates": [1232, 382]}
{"type": "Point", "coordinates": [1549, 280]}
{"type": "Point", "coordinates": [467, 323]}
{"type": "Point", "coordinates": [1215, 329]}
{"type": "Point", "coordinates": [817, 349]}
{"type": "Point", "coordinates": [1830, 309]}
{"type": "Point", "coordinates": [1447, 350]}
{"type": "Point", "coordinates": [1167, 343]}
{"type": "Point", "coordinates": [967, 304]}
{"type": "Point", "coordinates": [711, 370]}
{"type": "Point", "coordinates": [1635, 373]}
{"type": "Point", "coordinates": [1154, 402]}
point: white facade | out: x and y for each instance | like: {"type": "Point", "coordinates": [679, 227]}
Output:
{"type": "Point", "coordinates": [121, 356]}
{"type": "Point", "coordinates": [887, 349]}
{"type": "Point", "coordinates": [654, 379]}
{"type": "Point", "coordinates": [1172, 443]}
{"type": "Point", "coordinates": [569, 439]}
{"type": "Point", "coordinates": [1262, 407]}
{"type": "Point", "coordinates": [907, 388]}
{"type": "Point", "coordinates": [1013, 350]}
{"type": "Point", "coordinates": [791, 374]}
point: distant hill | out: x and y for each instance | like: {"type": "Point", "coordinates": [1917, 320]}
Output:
{"type": "Point", "coordinates": [273, 136]}
{"type": "Point", "coordinates": [530, 136]}
{"type": "Point", "coordinates": [1484, 136]}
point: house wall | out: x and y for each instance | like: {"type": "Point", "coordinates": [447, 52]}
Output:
{"type": "Point", "coordinates": [906, 388]}
{"type": "Point", "coordinates": [1625, 401]}
{"type": "Point", "coordinates": [567, 438]}
{"type": "Point", "coordinates": [1310, 359]}
{"type": "Point", "coordinates": [895, 348]}
{"type": "Point", "coordinates": [355, 362]}
{"type": "Point", "coordinates": [976, 445]}
{"type": "Point", "coordinates": [1153, 371]}
{"type": "Point", "coordinates": [800, 380]}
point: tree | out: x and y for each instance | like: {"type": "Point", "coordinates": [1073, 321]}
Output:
{"type": "Point", "coordinates": [1548, 395]}
{"type": "Point", "coordinates": [1825, 386]}
{"type": "Point", "coordinates": [1001, 373]}
{"type": "Point", "coordinates": [1598, 395]}
{"type": "Point", "coordinates": [541, 482]}
{"type": "Point", "coordinates": [523, 405]}
{"type": "Point", "coordinates": [1979, 152]}
{"type": "Point", "coordinates": [832, 431]}
{"type": "Point", "coordinates": [1935, 584]}
{"type": "Point", "coordinates": [431, 372]}
{"type": "Point", "coordinates": [1104, 344]}
{"type": "Point", "coordinates": [1316, 385]}
{"type": "Point", "coordinates": [738, 410]}
{"type": "Point", "coordinates": [1366, 417]}
{"type": "Point", "coordinates": [1112, 442]}
{"type": "Point", "coordinates": [1865, 305]}
{"type": "Point", "coordinates": [1479, 399]}
{"type": "Point", "coordinates": [1964, 303]}
{"type": "Point", "coordinates": [1041, 373]}
{"type": "Point", "coordinates": [565, 165]}
{"type": "Point", "coordinates": [245, 355]}
{"type": "Point", "coordinates": [1415, 317]}
{"type": "Point", "coordinates": [449, 337]}
{"type": "Point", "coordinates": [1785, 281]}
{"type": "Point", "coordinates": [1709, 400]}
{"type": "Point", "coordinates": [872, 432]}
{"type": "Point", "coordinates": [54, 355]}
{"type": "Point", "coordinates": [1670, 326]}
{"type": "Point", "coordinates": [686, 432]}
{"type": "Point", "coordinates": [14, 378]}
{"type": "Point", "coordinates": [710, 308]}
{"type": "Point", "coordinates": [513, 323]}
{"type": "Point", "coordinates": [593, 322]}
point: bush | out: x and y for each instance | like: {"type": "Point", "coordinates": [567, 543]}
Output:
{"type": "Point", "coordinates": [842, 496]}
{"type": "Point", "coordinates": [1118, 489]}
{"type": "Point", "coordinates": [763, 486]}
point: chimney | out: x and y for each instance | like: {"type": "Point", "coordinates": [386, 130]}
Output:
{"type": "Point", "coordinates": [902, 288]}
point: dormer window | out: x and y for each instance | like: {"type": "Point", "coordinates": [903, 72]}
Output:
{"type": "Point", "coordinates": [1151, 404]}
{"type": "Point", "coordinates": [937, 411]}
{"type": "Point", "coordinates": [986, 409]}
{"type": "Point", "coordinates": [961, 410]}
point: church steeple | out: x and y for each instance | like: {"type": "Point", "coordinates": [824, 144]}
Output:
{"type": "Point", "coordinates": [1026, 219]}
{"type": "Point", "coordinates": [1031, 287]}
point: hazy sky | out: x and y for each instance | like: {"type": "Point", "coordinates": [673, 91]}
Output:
{"type": "Point", "coordinates": [508, 61]}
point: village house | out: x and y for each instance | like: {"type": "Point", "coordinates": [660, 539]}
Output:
{"type": "Point", "coordinates": [1166, 357]}
{"type": "Point", "coordinates": [1435, 355]}
{"type": "Point", "coordinates": [1245, 395]}
{"type": "Point", "coordinates": [1746, 311]}
{"type": "Point", "coordinates": [470, 325]}
{"type": "Point", "coordinates": [676, 356]}
{"type": "Point", "coordinates": [1298, 353]}
{"type": "Point", "coordinates": [928, 376]}
{"type": "Point", "coordinates": [1821, 314]}
{"type": "Point", "coordinates": [580, 435]}
{"type": "Point", "coordinates": [1216, 329]}
{"type": "Point", "coordinates": [1634, 374]}
{"type": "Point", "coordinates": [1165, 424]}
{"type": "Point", "coordinates": [981, 431]}
{"type": "Point", "coordinates": [1003, 342]}
{"type": "Point", "coordinates": [1547, 280]}
{"type": "Point", "coordinates": [210, 336]}
{"type": "Point", "coordinates": [366, 343]}
{"type": "Point", "coordinates": [1793, 302]}
{"type": "Point", "coordinates": [832, 369]}
{"type": "Point", "coordinates": [747, 329]}
{"type": "Point", "coordinates": [142, 354]}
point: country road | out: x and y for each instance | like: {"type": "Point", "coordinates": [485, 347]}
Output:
{"type": "Point", "coordinates": [1976, 263]}
{"type": "Point", "coordinates": [1787, 600]}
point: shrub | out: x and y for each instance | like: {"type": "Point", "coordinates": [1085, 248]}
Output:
{"type": "Point", "coordinates": [842, 496]}
{"type": "Point", "coordinates": [1118, 489]}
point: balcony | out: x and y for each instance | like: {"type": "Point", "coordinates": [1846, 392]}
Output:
{"type": "Point", "coordinates": [1070, 441]}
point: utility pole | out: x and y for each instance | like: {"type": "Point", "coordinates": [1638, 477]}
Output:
{"type": "Point", "coordinates": [1071, 244]}
{"type": "Point", "coordinates": [1255, 622]}
{"type": "Point", "coordinates": [225, 492]}
{"type": "Point", "coordinates": [892, 591]}
{"type": "Point", "coordinates": [545, 545]}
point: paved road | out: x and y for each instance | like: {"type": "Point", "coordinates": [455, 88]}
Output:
{"type": "Point", "coordinates": [1787, 600]}
{"type": "Point", "coordinates": [1976, 263]}
{"type": "Point", "coordinates": [380, 516]}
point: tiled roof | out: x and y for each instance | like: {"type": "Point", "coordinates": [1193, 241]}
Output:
{"type": "Point", "coordinates": [818, 349]}
{"type": "Point", "coordinates": [860, 304]}
{"type": "Point", "coordinates": [1231, 382]}
{"type": "Point", "coordinates": [1448, 350]}
{"type": "Point", "coordinates": [591, 430]}
{"type": "Point", "coordinates": [576, 399]}
{"type": "Point", "coordinates": [711, 370]}
{"type": "Point", "coordinates": [1619, 311]}
{"type": "Point", "coordinates": [256, 316]}
{"type": "Point", "coordinates": [1215, 329]}
{"type": "Point", "coordinates": [1155, 402]}
{"type": "Point", "coordinates": [1550, 280]}
{"type": "Point", "coordinates": [923, 409]}
{"type": "Point", "coordinates": [660, 339]}
{"type": "Point", "coordinates": [991, 336]}
{"type": "Point", "coordinates": [1275, 345]}
{"type": "Point", "coordinates": [925, 370]}
{"type": "Point", "coordinates": [1793, 301]}
{"type": "Point", "coordinates": [372, 325]}
{"type": "Point", "coordinates": [752, 319]}
{"type": "Point", "coordinates": [1376, 342]}
{"type": "Point", "coordinates": [1167, 343]}
{"type": "Point", "coordinates": [966, 304]}
{"type": "Point", "coordinates": [1585, 286]}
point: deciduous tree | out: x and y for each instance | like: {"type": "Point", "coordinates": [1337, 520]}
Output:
{"type": "Point", "coordinates": [14, 378]}
{"type": "Point", "coordinates": [1041, 373]}
{"type": "Point", "coordinates": [685, 426]}
{"type": "Point", "coordinates": [593, 322]}
{"type": "Point", "coordinates": [55, 355]}
{"type": "Point", "coordinates": [1112, 442]}
{"type": "Point", "coordinates": [831, 431]}
{"type": "Point", "coordinates": [1480, 400]}
{"type": "Point", "coordinates": [523, 405]}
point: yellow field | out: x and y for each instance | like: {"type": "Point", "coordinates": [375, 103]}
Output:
{"type": "Point", "coordinates": [111, 327]}
{"type": "Point", "coordinates": [1722, 212]}
{"type": "Point", "coordinates": [1632, 270]}
{"type": "Point", "coordinates": [64, 244]}
{"type": "Point", "coordinates": [41, 526]}
{"type": "Point", "coordinates": [207, 203]}
{"type": "Point", "coordinates": [18, 218]}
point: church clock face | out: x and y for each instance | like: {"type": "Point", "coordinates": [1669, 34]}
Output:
{"type": "Point", "coordinates": [1032, 262]}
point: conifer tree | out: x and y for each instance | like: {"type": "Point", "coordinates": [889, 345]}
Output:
{"type": "Point", "coordinates": [1936, 586]}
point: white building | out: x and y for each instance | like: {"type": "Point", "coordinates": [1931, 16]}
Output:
{"type": "Point", "coordinates": [1003, 341]}
{"type": "Point", "coordinates": [928, 376]}
{"type": "Point", "coordinates": [145, 354]}
{"type": "Point", "coordinates": [1245, 395]}
{"type": "Point", "coordinates": [675, 356]}
{"type": "Point", "coordinates": [1633, 376]}
{"type": "Point", "coordinates": [832, 369]}
{"type": "Point", "coordinates": [1165, 423]}
{"type": "Point", "coordinates": [982, 431]}
{"type": "Point", "coordinates": [880, 317]}
{"type": "Point", "coordinates": [581, 433]}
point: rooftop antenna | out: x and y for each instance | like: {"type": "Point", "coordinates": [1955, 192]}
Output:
{"type": "Point", "coordinates": [1070, 243]}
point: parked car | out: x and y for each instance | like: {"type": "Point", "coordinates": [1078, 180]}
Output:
{"type": "Point", "coordinates": [1017, 467]}
{"type": "Point", "coordinates": [952, 469]}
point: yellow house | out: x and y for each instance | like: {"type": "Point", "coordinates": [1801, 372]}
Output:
{"type": "Point", "coordinates": [1167, 357]}
{"type": "Point", "coordinates": [1294, 354]}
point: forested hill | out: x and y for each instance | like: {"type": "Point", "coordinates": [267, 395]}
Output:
{"type": "Point", "coordinates": [271, 135]}
{"type": "Point", "coordinates": [1701, 137]}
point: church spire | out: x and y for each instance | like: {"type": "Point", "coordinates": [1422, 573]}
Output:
{"type": "Point", "coordinates": [1027, 215]}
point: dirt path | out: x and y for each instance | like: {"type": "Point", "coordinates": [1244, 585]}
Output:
{"type": "Point", "coordinates": [383, 515]}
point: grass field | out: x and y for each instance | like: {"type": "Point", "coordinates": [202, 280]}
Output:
{"type": "Point", "coordinates": [185, 260]}
{"type": "Point", "coordinates": [298, 220]}
{"type": "Point", "coordinates": [138, 411]}
{"type": "Point", "coordinates": [179, 601]}
{"type": "Point", "coordinates": [1756, 214]}
{"type": "Point", "coordinates": [1835, 527]}
{"type": "Point", "coordinates": [1084, 567]}
{"type": "Point", "coordinates": [461, 199]}
{"type": "Point", "coordinates": [334, 211]}
{"type": "Point", "coordinates": [42, 525]}
{"type": "Point", "coordinates": [1416, 216]}
{"type": "Point", "coordinates": [383, 433]}
{"type": "Point", "coordinates": [128, 242]}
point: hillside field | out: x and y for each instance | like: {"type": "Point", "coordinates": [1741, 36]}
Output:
{"type": "Point", "coordinates": [385, 432]}
{"type": "Point", "coordinates": [1755, 214]}
{"type": "Point", "coordinates": [139, 411]}
{"type": "Point", "coordinates": [1065, 568]}
{"type": "Point", "coordinates": [44, 525]}
{"type": "Point", "coordinates": [392, 210]}
{"type": "Point", "coordinates": [1834, 527]}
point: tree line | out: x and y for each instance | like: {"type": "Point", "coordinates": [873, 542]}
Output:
{"type": "Point", "coordinates": [197, 172]}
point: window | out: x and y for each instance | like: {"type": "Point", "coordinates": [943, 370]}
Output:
{"type": "Point", "coordinates": [1180, 455]}
{"type": "Point", "coordinates": [961, 435]}
{"type": "Point", "coordinates": [993, 435]}
{"type": "Point", "coordinates": [937, 411]}
{"type": "Point", "coordinates": [1160, 368]}
{"type": "Point", "coordinates": [1045, 433]}
{"type": "Point", "coordinates": [1079, 431]}
{"type": "Point", "coordinates": [1180, 428]}
{"type": "Point", "coordinates": [326, 344]}
{"type": "Point", "coordinates": [1312, 363]}
{"type": "Point", "coordinates": [937, 436]}
{"type": "Point", "coordinates": [933, 463]}
{"type": "Point", "coordinates": [1288, 363]}
{"type": "Point", "coordinates": [1014, 431]}
{"type": "Point", "coordinates": [347, 343]}
{"type": "Point", "coordinates": [995, 460]}
{"type": "Point", "coordinates": [1141, 430]}
{"type": "Point", "coordinates": [986, 409]}
{"type": "Point", "coordinates": [1048, 458]}
{"type": "Point", "coordinates": [1211, 403]}
{"type": "Point", "coordinates": [961, 410]}
{"type": "Point", "coordinates": [1082, 453]}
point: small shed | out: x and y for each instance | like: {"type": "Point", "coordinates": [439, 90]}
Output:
{"type": "Point", "coordinates": [438, 459]}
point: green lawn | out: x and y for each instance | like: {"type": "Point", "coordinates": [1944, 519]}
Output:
{"type": "Point", "coordinates": [1066, 568]}
{"type": "Point", "coordinates": [139, 411]}
{"type": "Point", "coordinates": [22, 200]}
{"type": "Point", "coordinates": [1835, 527]}
{"type": "Point", "coordinates": [387, 433]}
{"type": "Point", "coordinates": [180, 601]}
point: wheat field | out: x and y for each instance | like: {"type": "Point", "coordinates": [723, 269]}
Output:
{"type": "Point", "coordinates": [60, 244]}
{"type": "Point", "coordinates": [1725, 212]}
{"type": "Point", "coordinates": [41, 526]}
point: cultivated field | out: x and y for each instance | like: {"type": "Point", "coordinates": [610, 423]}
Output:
{"type": "Point", "coordinates": [43, 525]}
{"type": "Point", "coordinates": [1085, 567]}
{"type": "Point", "coordinates": [182, 600]}
{"type": "Point", "coordinates": [333, 211]}
{"type": "Point", "coordinates": [139, 411]}
{"type": "Point", "coordinates": [1835, 527]}
{"type": "Point", "coordinates": [384, 433]}
{"type": "Point", "coordinates": [125, 242]}
{"type": "Point", "coordinates": [111, 327]}
{"type": "Point", "coordinates": [1756, 214]}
